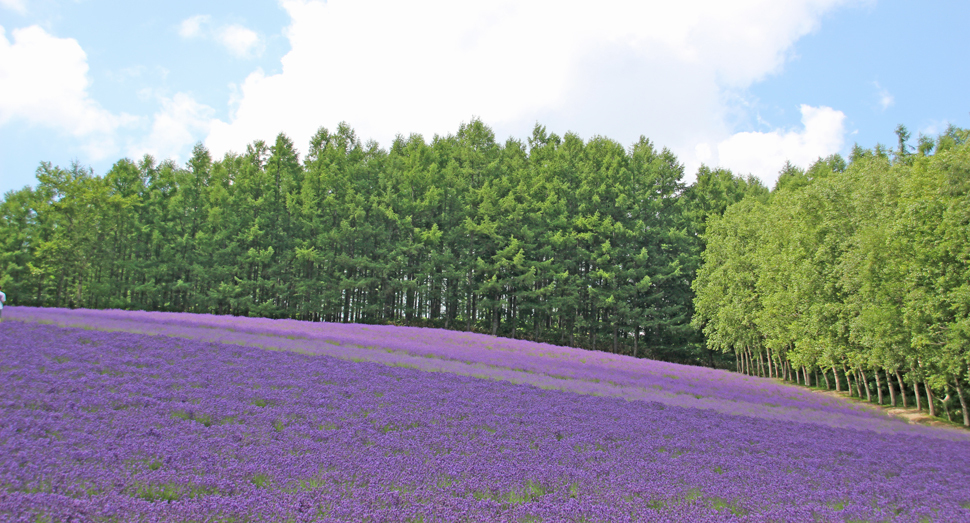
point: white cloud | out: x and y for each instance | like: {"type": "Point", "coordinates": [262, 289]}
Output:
{"type": "Point", "coordinates": [616, 68]}
{"type": "Point", "coordinates": [934, 128]}
{"type": "Point", "coordinates": [702, 152]}
{"type": "Point", "coordinates": [886, 100]}
{"type": "Point", "coordinates": [192, 27]}
{"type": "Point", "coordinates": [237, 39]}
{"type": "Point", "coordinates": [175, 128]}
{"type": "Point", "coordinates": [19, 6]}
{"type": "Point", "coordinates": [764, 154]}
{"type": "Point", "coordinates": [44, 82]}
{"type": "Point", "coordinates": [240, 41]}
{"type": "Point", "coordinates": [126, 73]}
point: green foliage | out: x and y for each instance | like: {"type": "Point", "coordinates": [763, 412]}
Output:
{"type": "Point", "coordinates": [553, 239]}
{"type": "Point", "coordinates": [859, 269]}
{"type": "Point", "coordinates": [260, 480]}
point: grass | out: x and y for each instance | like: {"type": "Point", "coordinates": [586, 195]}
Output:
{"type": "Point", "coordinates": [168, 492]}
{"type": "Point", "coordinates": [204, 419]}
{"type": "Point", "coordinates": [531, 491]}
{"type": "Point", "coordinates": [720, 504]}
{"type": "Point", "coordinates": [260, 480]}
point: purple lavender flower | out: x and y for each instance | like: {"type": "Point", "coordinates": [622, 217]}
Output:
{"type": "Point", "coordinates": [109, 426]}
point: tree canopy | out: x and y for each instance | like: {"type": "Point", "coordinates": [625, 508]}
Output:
{"type": "Point", "coordinates": [557, 239]}
{"type": "Point", "coordinates": [858, 269]}
{"type": "Point", "coordinates": [855, 268]}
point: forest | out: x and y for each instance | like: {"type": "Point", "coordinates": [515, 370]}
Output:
{"type": "Point", "coordinates": [852, 272]}
{"type": "Point", "coordinates": [587, 244]}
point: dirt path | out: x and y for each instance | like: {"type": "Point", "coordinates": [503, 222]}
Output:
{"type": "Point", "coordinates": [912, 416]}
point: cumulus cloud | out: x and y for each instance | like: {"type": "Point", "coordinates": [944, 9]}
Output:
{"type": "Point", "coordinates": [175, 127]}
{"type": "Point", "coordinates": [934, 127]}
{"type": "Point", "coordinates": [615, 68]}
{"type": "Point", "coordinates": [54, 95]}
{"type": "Point", "coordinates": [886, 100]}
{"type": "Point", "coordinates": [19, 6]}
{"type": "Point", "coordinates": [764, 154]}
{"type": "Point", "coordinates": [237, 39]}
{"type": "Point", "coordinates": [191, 27]}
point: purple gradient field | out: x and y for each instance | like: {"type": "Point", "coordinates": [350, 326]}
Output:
{"type": "Point", "coordinates": [115, 426]}
{"type": "Point", "coordinates": [543, 365]}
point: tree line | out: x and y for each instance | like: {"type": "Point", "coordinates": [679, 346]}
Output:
{"type": "Point", "coordinates": [855, 271]}
{"type": "Point", "coordinates": [583, 243]}
{"type": "Point", "coordinates": [852, 272]}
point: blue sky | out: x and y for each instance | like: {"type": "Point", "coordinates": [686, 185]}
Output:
{"type": "Point", "coordinates": [743, 85]}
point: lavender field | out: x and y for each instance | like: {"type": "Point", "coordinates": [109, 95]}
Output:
{"type": "Point", "coordinates": [122, 416]}
{"type": "Point", "coordinates": [545, 366]}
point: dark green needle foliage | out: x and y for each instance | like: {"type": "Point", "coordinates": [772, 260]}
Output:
{"type": "Point", "coordinates": [557, 239]}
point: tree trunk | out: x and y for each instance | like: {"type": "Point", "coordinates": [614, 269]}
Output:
{"type": "Point", "coordinates": [865, 382]}
{"type": "Point", "coordinates": [946, 404]}
{"type": "Point", "coordinates": [835, 373]}
{"type": "Point", "coordinates": [902, 389]}
{"type": "Point", "coordinates": [929, 399]}
{"type": "Point", "coordinates": [737, 364]}
{"type": "Point", "coordinates": [858, 382]}
{"type": "Point", "coordinates": [78, 298]}
{"type": "Point", "coordinates": [825, 375]}
{"type": "Point", "coordinates": [889, 385]}
{"type": "Point", "coordinates": [616, 339]}
{"type": "Point", "coordinates": [761, 365]}
{"type": "Point", "coordinates": [495, 320]}
{"type": "Point", "coordinates": [963, 402]}
{"type": "Point", "coordinates": [875, 373]}
{"type": "Point", "coordinates": [808, 377]}
{"type": "Point", "coordinates": [919, 404]}
{"type": "Point", "coordinates": [848, 380]}
{"type": "Point", "coordinates": [636, 342]}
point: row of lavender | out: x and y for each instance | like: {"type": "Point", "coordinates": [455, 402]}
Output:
{"type": "Point", "coordinates": [640, 378]}
{"type": "Point", "coordinates": [101, 426]}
